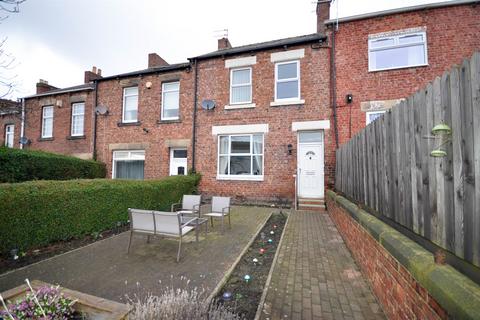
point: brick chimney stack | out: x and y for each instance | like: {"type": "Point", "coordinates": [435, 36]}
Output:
{"type": "Point", "coordinates": [323, 13]}
{"type": "Point", "coordinates": [92, 75]}
{"type": "Point", "coordinates": [154, 60]}
{"type": "Point", "coordinates": [43, 86]}
{"type": "Point", "coordinates": [223, 43]}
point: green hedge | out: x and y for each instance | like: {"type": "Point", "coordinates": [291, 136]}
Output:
{"type": "Point", "coordinates": [36, 213]}
{"type": "Point", "coordinates": [26, 165]}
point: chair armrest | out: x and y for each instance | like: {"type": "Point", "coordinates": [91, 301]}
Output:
{"type": "Point", "coordinates": [184, 223]}
{"type": "Point", "coordinates": [227, 209]}
{"type": "Point", "coordinates": [172, 209]}
{"type": "Point", "coordinates": [196, 208]}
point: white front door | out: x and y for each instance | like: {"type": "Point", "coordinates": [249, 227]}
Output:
{"type": "Point", "coordinates": [178, 161]}
{"type": "Point", "coordinates": [310, 164]}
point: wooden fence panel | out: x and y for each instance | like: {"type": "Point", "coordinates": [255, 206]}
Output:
{"type": "Point", "coordinates": [389, 166]}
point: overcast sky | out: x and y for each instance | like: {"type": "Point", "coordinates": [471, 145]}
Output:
{"type": "Point", "coordinates": [57, 40]}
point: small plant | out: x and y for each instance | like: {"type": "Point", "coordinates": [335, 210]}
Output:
{"type": "Point", "coordinates": [178, 304]}
{"type": "Point", "coordinates": [47, 303]}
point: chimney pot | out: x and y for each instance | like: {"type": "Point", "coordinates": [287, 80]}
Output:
{"type": "Point", "coordinates": [94, 69]}
{"type": "Point", "coordinates": [92, 75]}
{"type": "Point", "coordinates": [99, 72]}
{"type": "Point", "coordinates": [224, 43]}
{"type": "Point", "coordinates": [323, 14]}
{"type": "Point", "coordinates": [154, 60]}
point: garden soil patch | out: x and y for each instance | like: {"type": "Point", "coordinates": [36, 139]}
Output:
{"type": "Point", "coordinates": [7, 263]}
{"type": "Point", "coordinates": [246, 295]}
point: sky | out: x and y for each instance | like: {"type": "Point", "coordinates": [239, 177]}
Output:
{"type": "Point", "coordinates": [57, 40]}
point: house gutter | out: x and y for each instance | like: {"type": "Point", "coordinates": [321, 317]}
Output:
{"type": "Point", "coordinates": [94, 152]}
{"type": "Point", "coordinates": [194, 127]}
{"type": "Point", "coordinates": [333, 85]}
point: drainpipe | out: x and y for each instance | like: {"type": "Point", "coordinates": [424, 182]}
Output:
{"type": "Point", "coordinates": [194, 128]}
{"type": "Point", "coordinates": [22, 123]}
{"type": "Point", "coordinates": [333, 84]}
{"type": "Point", "coordinates": [94, 155]}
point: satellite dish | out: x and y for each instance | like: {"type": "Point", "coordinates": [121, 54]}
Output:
{"type": "Point", "coordinates": [208, 104]}
{"type": "Point", "coordinates": [24, 140]}
{"type": "Point", "coordinates": [101, 110]}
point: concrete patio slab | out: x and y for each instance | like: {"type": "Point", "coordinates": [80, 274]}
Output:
{"type": "Point", "coordinates": [104, 269]}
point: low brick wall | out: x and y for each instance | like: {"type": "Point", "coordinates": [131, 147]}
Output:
{"type": "Point", "coordinates": [403, 275]}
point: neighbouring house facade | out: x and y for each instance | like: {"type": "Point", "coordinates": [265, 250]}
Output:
{"type": "Point", "coordinates": [260, 121]}
{"type": "Point", "coordinates": [386, 56]}
{"type": "Point", "coordinates": [10, 123]}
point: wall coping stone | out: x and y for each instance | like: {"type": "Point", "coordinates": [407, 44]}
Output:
{"type": "Point", "coordinates": [455, 292]}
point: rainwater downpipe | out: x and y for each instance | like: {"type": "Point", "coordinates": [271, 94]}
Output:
{"type": "Point", "coordinates": [194, 127]}
{"type": "Point", "coordinates": [333, 84]}
{"type": "Point", "coordinates": [22, 123]}
{"type": "Point", "coordinates": [95, 121]}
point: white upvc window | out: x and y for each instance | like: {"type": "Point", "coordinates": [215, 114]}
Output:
{"type": "Point", "coordinates": [9, 135]}
{"type": "Point", "coordinates": [170, 100]}
{"type": "Point", "coordinates": [241, 86]}
{"type": "Point", "coordinates": [240, 157]}
{"type": "Point", "coordinates": [373, 115]}
{"type": "Point", "coordinates": [47, 122]}
{"type": "Point", "coordinates": [287, 81]}
{"type": "Point", "coordinates": [397, 51]}
{"type": "Point", "coordinates": [78, 119]}
{"type": "Point", "coordinates": [130, 104]}
{"type": "Point", "coordinates": [128, 164]}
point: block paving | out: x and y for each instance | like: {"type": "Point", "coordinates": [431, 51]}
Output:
{"type": "Point", "coordinates": [315, 276]}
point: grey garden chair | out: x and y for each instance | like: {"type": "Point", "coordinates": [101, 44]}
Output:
{"type": "Point", "coordinates": [157, 223]}
{"type": "Point", "coordinates": [190, 205]}
{"type": "Point", "coordinates": [220, 209]}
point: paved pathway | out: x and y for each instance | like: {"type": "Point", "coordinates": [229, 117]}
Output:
{"type": "Point", "coordinates": [315, 277]}
{"type": "Point", "coordinates": [105, 270]}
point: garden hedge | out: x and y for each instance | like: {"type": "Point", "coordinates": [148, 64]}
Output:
{"type": "Point", "coordinates": [36, 213]}
{"type": "Point", "coordinates": [25, 165]}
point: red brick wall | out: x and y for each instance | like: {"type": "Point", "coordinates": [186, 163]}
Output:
{"type": "Point", "coordinates": [400, 295]}
{"type": "Point", "coordinates": [214, 80]}
{"type": "Point", "coordinates": [452, 35]}
{"type": "Point", "coordinates": [62, 142]}
{"type": "Point", "coordinates": [14, 119]}
{"type": "Point", "coordinates": [110, 95]}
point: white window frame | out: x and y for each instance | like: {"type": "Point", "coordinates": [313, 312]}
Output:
{"type": "Point", "coordinates": [287, 80]}
{"type": "Point", "coordinates": [43, 121]}
{"type": "Point", "coordinates": [75, 115]}
{"type": "Point", "coordinates": [125, 159]}
{"type": "Point", "coordinates": [251, 154]}
{"type": "Point", "coordinates": [367, 119]}
{"type": "Point", "coordinates": [9, 135]}
{"type": "Point", "coordinates": [240, 85]}
{"type": "Point", "coordinates": [163, 99]}
{"type": "Point", "coordinates": [124, 99]}
{"type": "Point", "coordinates": [396, 44]}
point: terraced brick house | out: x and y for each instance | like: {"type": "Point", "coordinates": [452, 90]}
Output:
{"type": "Point", "coordinates": [10, 122]}
{"type": "Point", "coordinates": [262, 121]}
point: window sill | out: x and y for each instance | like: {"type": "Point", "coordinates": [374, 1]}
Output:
{"type": "Point", "coordinates": [398, 68]}
{"type": "Point", "coordinates": [45, 139]}
{"type": "Point", "coordinates": [128, 124]}
{"type": "Point", "coordinates": [76, 137]}
{"type": "Point", "coordinates": [286, 103]}
{"type": "Point", "coordinates": [169, 121]}
{"type": "Point", "coordinates": [240, 178]}
{"type": "Point", "coordinates": [239, 106]}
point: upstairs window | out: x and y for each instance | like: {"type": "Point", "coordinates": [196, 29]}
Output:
{"type": "Point", "coordinates": [78, 119]}
{"type": "Point", "coordinates": [9, 135]}
{"type": "Point", "coordinates": [287, 81]}
{"type": "Point", "coordinates": [47, 122]}
{"type": "Point", "coordinates": [398, 51]}
{"type": "Point", "coordinates": [374, 115]}
{"type": "Point", "coordinates": [170, 101]}
{"type": "Point", "coordinates": [241, 86]}
{"type": "Point", "coordinates": [240, 156]}
{"type": "Point", "coordinates": [130, 105]}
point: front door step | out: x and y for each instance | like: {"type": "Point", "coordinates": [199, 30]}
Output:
{"type": "Point", "coordinates": [311, 204]}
